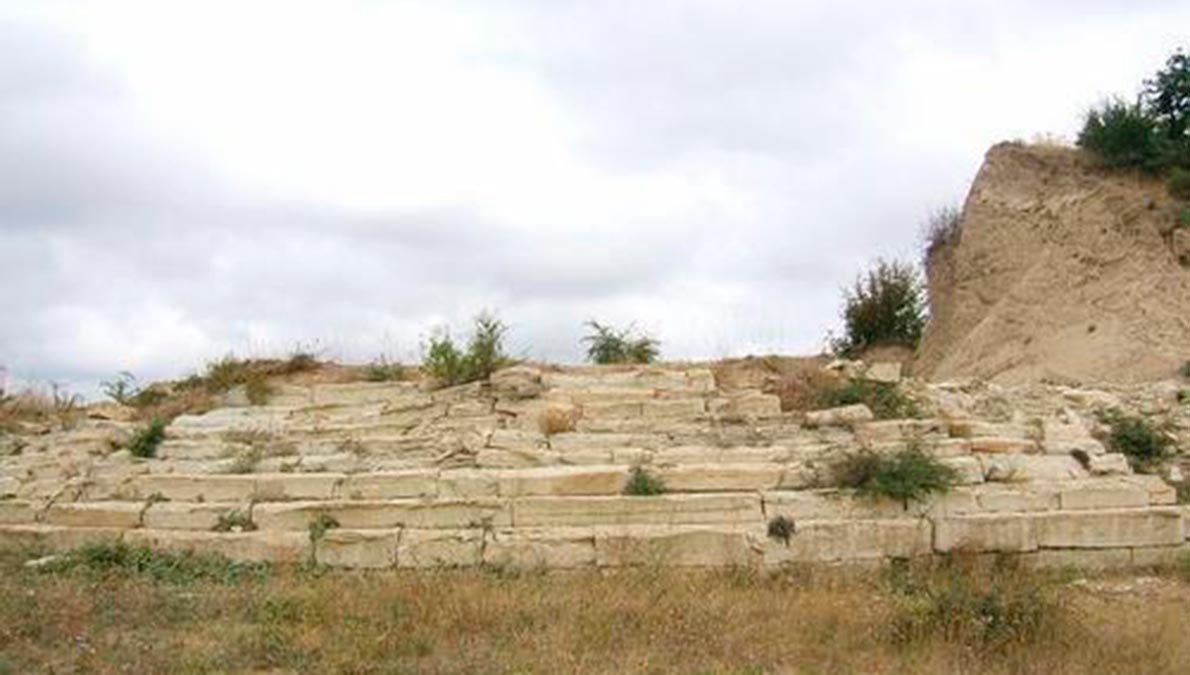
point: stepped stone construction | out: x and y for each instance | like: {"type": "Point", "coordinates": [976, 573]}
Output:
{"type": "Point", "coordinates": [529, 470]}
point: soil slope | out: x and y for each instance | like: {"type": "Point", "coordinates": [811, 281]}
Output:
{"type": "Point", "coordinates": [1062, 272]}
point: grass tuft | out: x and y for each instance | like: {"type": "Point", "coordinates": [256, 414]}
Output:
{"type": "Point", "coordinates": [906, 476]}
{"type": "Point", "coordinates": [642, 483]}
{"type": "Point", "coordinates": [145, 442]}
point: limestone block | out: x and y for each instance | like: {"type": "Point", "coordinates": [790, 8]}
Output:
{"type": "Point", "coordinates": [188, 515]}
{"type": "Point", "coordinates": [468, 484]}
{"type": "Point", "coordinates": [949, 447]}
{"type": "Point", "coordinates": [888, 372]}
{"type": "Point", "coordinates": [994, 445]}
{"type": "Point", "coordinates": [285, 486]}
{"type": "Point", "coordinates": [674, 407]}
{"type": "Point", "coordinates": [365, 515]}
{"type": "Point", "coordinates": [55, 537]}
{"type": "Point", "coordinates": [612, 409]}
{"type": "Point", "coordinates": [998, 498]}
{"type": "Point", "coordinates": [95, 514]}
{"type": "Point", "coordinates": [580, 441]}
{"type": "Point", "coordinates": [440, 548]}
{"type": "Point", "coordinates": [1023, 468]}
{"type": "Point", "coordinates": [1081, 559]}
{"type": "Point", "coordinates": [721, 477]}
{"type": "Point", "coordinates": [1110, 464]}
{"type": "Point", "coordinates": [1111, 528]}
{"type": "Point", "coordinates": [830, 504]}
{"type": "Point", "coordinates": [973, 428]}
{"type": "Point", "coordinates": [700, 379]}
{"type": "Point", "coordinates": [390, 485]}
{"type": "Point", "coordinates": [517, 382]}
{"type": "Point", "coordinates": [193, 488]}
{"type": "Point", "coordinates": [358, 549]}
{"type": "Point", "coordinates": [849, 415]}
{"type": "Point", "coordinates": [357, 393]}
{"type": "Point", "coordinates": [968, 469]}
{"type": "Point", "coordinates": [272, 547]}
{"type": "Point", "coordinates": [470, 409]}
{"type": "Point", "coordinates": [517, 439]}
{"type": "Point", "coordinates": [496, 458]}
{"type": "Point", "coordinates": [563, 480]}
{"type": "Point", "coordinates": [1102, 495]}
{"type": "Point", "coordinates": [688, 454]}
{"type": "Point", "coordinates": [551, 548]}
{"type": "Point", "coordinates": [687, 509]}
{"type": "Point", "coordinates": [1160, 556]}
{"type": "Point", "coordinates": [747, 404]}
{"type": "Point", "coordinates": [1010, 533]}
{"type": "Point", "coordinates": [674, 546]}
{"type": "Point", "coordinates": [1160, 492]}
{"type": "Point", "coordinates": [850, 540]}
{"type": "Point", "coordinates": [17, 512]}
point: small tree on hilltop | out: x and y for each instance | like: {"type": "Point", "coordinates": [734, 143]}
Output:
{"type": "Point", "coordinates": [1167, 97]}
{"type": "Point", "coordinates": [1123, 135]}
{"type": "Point", "coordinates": [609, 345]}
{"type": "Point", "coordinates": [885, 306]}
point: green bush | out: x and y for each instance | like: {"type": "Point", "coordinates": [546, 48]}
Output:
{"type": "Point", "coordinates": [383, 370]}
{"type": "Point", "coordinates": [450, 366]}
{"type": "Point", "coordinates": [943, 228]}
{"type": "Point", "coordinates": [1144, 446]}
{"type": "Point", "coordinates": [1186, 369]}
{"type": "Point", "coordinates": [182, 567]}
{"type": "Point", "coordinates": [982, 610]}
{"type": "Point", "coordinates": [782, 529]}
{"type": "Point", "coordinates": [907, 475]}
{"type": "Point", "coordinates": [1179, 184]}
{"type": "Point", "coordinates": [1167, 97]}
{"type": "Point", "coordinates": [641, 483]}
{"type": "Point", "coordinates": [1123, 135]}
{"type": "Point", "coordinates": [122, 390]}
{"type": "Point", "coordinates": [144, 443]}
{"type": "Point", "coordinates": [608, 345]}
{"type": "Point", "coordinates": [884, 399]}
{"type": "Point", "coordinates": [885, 306]}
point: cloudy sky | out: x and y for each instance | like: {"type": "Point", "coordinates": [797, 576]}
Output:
{"type": "Point", "coordinates": [180, 180]}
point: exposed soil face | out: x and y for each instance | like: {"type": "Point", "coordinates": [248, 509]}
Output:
{"type": "Point", "coordinates": [1062, 272]}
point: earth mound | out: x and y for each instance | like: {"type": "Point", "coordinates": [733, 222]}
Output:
{"type": "Point", "coordinates": [1060, 271]}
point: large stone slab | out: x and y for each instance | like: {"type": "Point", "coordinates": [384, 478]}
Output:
{"type": "Point", "coordinates": [440, 548]}
{"type": "Point", "coordinates": [370, 515]}
{"type": "Point", "coordinates": [272, 547]}
{"type": "Point", "coordinates": [658, 510]}
{"type": "Point", "coordinates": [850, 540]}
{"type": "Point", "coordinates": [563, 480]}
{"type": "Point", "coordinates": [391, 484]}
{"type": "Point", "coordinates": [1111, 528]}
{"type": "Point", "coordinates": [674, 546]}
{"type": "Point", "coordinates": [358, 549]}
{"type": "Point", "coordinates": [95, 514]}
{"type": "Point", "coordinates": [541, 548]}
{"type": "Point", "coordinates": [722, 477]}
{"type": "Point", "coordinates": [190, 515]}
{"type": "Point", "coordinates": [1001, 532]}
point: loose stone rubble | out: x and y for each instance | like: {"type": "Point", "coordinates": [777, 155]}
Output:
{"type": "Point", "coordinates": [389, 475]}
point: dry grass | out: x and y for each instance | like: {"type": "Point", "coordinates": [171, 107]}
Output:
{"type": "Point", "coordinates": [637, 621]}
{"type": "Point", "coordinates": [557, 419]}
{"type": "Point", "coordinates": [39, 407]}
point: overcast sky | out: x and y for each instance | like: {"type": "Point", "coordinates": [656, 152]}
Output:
{"type": "Point", "coordinates": [181, 180]}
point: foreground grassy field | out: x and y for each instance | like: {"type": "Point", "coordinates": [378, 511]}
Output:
{"type": "Point", "coordinates": [117, 610]}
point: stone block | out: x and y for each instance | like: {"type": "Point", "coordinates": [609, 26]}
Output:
{"type": "Point", "coordinates": [850, 540]}
{"type": "Point", "coordinates": [1024, 468]}
{"type": "Point", "coordinates": [888, 372]}
{"type": "Point", "coordinates": [563, 480]}
{"type": "Point", "coordinates": [1010, 533]}
{"type": "Point", "coordinates": [1110, 464]}
{"type": "Point", "coordinates": [368, 515]}
{"type": "Point", "coordinates": [272, 547]}
{"type": "Point", "coordinates": [56, 537]}
{"type": "Point", "coordinates": [189, 515]}
{"type": "Point", "coordinates": [358, 549]}
{"type": "Point", "coordinates": [553, 548]}
{"type": "Point", "coordinates": [994, 445]}
{"type": "Point", "coordinates": [674, 546]}
{"type": "Point", "coordinates": [849, 415]}
{"type": "Point", "coordinates": [674, 407]}
{"type": "Point", "coordinates": [1022, 498]}
{"type": "Point", "coordinates": [468, 484]}
{"type": "Point", "coordinates": [517, 382]}
{"type": "Point", "coordinates": [1111, 528]}
{"type": "Point", "coordinates": [292, 486]}
{"type": "Point", "coordinates": [1102, 495]}
{"type": "Point", "coordinates": [440, 548]}
{"type": "Point", "coordinates": [193, 487]}
{"type": "Point", "coordinates": [95, 514]}
{"type": "Point", "coordinates": [689, 509]}
{"type": "Point", "coordinates": [722, 477]}
{"type": "Point", "coordinates": [390, 485]}
{"type": "Point", "coordinates": [17, 512]}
